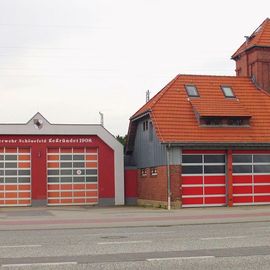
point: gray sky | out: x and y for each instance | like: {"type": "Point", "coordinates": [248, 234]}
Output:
{"type": "Point", "coordinates": [70, 59]}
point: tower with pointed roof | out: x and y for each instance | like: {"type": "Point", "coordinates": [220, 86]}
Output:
{"type": "Point", "coordinates": [253, 57]}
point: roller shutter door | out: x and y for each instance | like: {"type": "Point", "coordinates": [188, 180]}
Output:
{"type": "Point", "coordinates": [15, 176]}
{"type": "Point", "coordinates": [72, 176]}
{"type": "Point", "coordinates": [251, 179]}
{"type": "Point", "coordinates": [203, 180]}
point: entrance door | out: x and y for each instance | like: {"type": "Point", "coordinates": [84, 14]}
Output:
{"type": "Point", "coordinates": [15, 176]}
{"type": "Point", "coordinates": [72, 175]}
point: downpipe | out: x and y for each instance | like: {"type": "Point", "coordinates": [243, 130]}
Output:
{"type": "Point", "coordinates": [168, 176]}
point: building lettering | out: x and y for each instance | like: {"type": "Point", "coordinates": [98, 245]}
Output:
{"type": "Point", "coordinates": [46, 140]}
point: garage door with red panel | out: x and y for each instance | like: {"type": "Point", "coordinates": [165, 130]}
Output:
{"type": "Point", "coordinates": [251, 178]}
{"type": "Point", "coordinates": [15, 176]}
{"type": "Point", "coordinates": [203, 180]}
{"type": "Point", "coordinates": [72, 176]}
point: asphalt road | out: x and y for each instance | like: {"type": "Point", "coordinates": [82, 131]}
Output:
{"type": "Point", "coordinates": [215, 246]}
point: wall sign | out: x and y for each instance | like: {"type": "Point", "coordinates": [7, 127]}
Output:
{"type": "Point", "coordinates": [48, 140]}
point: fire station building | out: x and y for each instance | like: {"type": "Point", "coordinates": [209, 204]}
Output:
{"type": "Point", "coordinates": [48, 164]}
{"type": "Point", "coordinates": [205, 140]}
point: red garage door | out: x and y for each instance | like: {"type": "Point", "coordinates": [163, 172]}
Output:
{"type": "Point", "coordinates": [72, 176]}
{"type": "Point", "coordinates": [15, 176]}
{"type": "Point", "coordinates": [203, 180]}
{"type": "Point", "coordinates": [251, 179]}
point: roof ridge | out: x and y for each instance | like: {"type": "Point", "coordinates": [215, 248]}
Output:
{"type": "Point", "coordinates": [259, 31]}
{"type": "Point", "coordinates": [254, 40]}
{"type": "Point", "coordinates": [155, 123]}
{"type": "Point", "coordinates": [152, 100]}
{"type": "Point", "coordinates": [165, 88]}
{"type": "Point", "coordinates": [212, 75]}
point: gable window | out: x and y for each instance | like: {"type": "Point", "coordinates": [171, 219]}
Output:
{"type": "Point", "coordinates": [145, 125]}
{"type": "Point", "coordinates": [192, 90]}
{"type": "Point", "coordinates": [227, 91]}
{"type": "Point", "coordinates": [150, 132]}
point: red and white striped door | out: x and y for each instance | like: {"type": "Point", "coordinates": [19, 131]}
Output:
{"type": "Point", "coordinates": [203, 179]}
{"type": "Point", "coordinates": [72, 176]}
{"type": "Point", "coordinates": [251, 178]}
{"type": "Point", "coordinates": [15, 176]}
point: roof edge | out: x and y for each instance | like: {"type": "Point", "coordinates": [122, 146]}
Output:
{"type": "Point", "coordinates": [217, 144]}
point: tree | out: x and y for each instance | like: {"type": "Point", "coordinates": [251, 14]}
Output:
{"type": "Point", "coordinates": [122, 139]}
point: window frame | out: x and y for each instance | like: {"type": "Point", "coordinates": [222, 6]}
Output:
{"type": "Point", "coordinates": [145, 125]}
{"type": "Point", "coordinates": [224, 91]}
{"type": "Point", "coordinates": [153, 171]}
{"type": "Point", "coordinates": [196, 90]}
{"type": "Point", "coordinates": [143, 172]}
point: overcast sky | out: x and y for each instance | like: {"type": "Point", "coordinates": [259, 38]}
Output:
{"type": "Point", "coordinates": [71, 59]}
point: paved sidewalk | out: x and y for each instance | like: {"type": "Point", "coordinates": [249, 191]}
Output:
{"type": "Point", "coordinates": [97, 217]}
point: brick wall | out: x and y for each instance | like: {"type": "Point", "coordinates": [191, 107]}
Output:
{"type": "Point", "coordinates": [154, 188]}
{"type": "Point", "coordinates": [255, 62]}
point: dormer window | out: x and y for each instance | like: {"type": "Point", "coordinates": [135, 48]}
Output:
{"type": "Point", "coordinates": [227, 91]}
{"type": "Point", "coordinates": [225, 121]}
{"type": "Point", "coordinates": [192, 90]}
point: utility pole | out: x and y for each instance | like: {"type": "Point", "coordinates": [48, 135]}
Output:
{"type": "Point", "coordinates": [147, 96]}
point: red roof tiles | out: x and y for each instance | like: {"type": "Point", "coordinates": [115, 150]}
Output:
{"type": "Point", "coordinates": [259, 38]}
{"type": "Point", "coordinates": [172, 111]}
{"type": "Point", "coordinates": [219, 108]}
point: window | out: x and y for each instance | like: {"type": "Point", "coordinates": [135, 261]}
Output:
{"type": "Point", "coordinates": [242, 158]}
{"type": "Point", "coordinates": [214, 169]}
{"type": "Point", "coordinates": [211, 121]}
{"type": "Point", "coordinates": [225, 121]}
{"type": "Point", "coordinates": [192, 159]}
{"type": "Point", "coordinates": [192, 169]}
{"type": "Point", "coordinates": [192, 91]}
{"type": "Point", "coordinates": [262, 158]}
{"type": "Point", "coordinates": [237, 122]}
{"type": "Point", "coordinates": [227, 91]}
{"type": "Point", "coordinates": [262, 169]}
{"type": "Point", "coordinates": [214, 158]}
{"type": "Point", "coordinates": [256, 163]}
{"type": "Point", "coordinates": [151, 132]}
{"type": "Point", "coordinates": [203, 164]}
{"type": "Point", "coordinates": [143, 172]}
{"type": "Point", "coordinates": [145, 125]}
{"type": "Point", "coordinates": [242, 168]}
{"type": "Point", "coordinates": [153, 171]}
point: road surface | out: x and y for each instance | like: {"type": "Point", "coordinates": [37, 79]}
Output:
{"type": "Point", "coordinates": [208, 246]}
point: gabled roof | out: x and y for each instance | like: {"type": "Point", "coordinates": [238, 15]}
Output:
{"type": "Point", "coordinates": [259, 38]}
{"type": "Point", "coordinates": [172, 111]}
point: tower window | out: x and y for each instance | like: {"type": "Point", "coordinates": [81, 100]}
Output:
{"type": "Point", "coordinates": [192, 91]}
{"type": "Point", "coordinates": [227, 91]}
